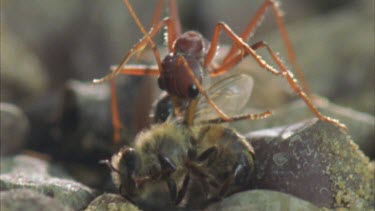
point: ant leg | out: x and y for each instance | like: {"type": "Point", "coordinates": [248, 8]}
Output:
{"type": "Point", "coordinates": [115, 113]}
{"type": "Point", "coordinates": [294, 85]}
{"type": "Point", "coordinates": [239, 43]}
{"type": "Point", "coordinates": [155, 19]}
{"type": "Point", "coordinates": [250, 30]}
{"type": "Point", "coordinates": [288, 45]}
{"type": "Point", "coordinates": [146, 35]}
{"type": "Point", "coordinates": [137, 47]}
{"type": "Point", "coordinates": [130, 70]}
{"type": "Point", "coordinates": [137, 69]}
{"type": "Point", "coordinates": [171, 27]}
{"type": "Point", "coordinates": [224, 67]}
{"type": "Point", "coordinates": [283, 71]}
{"type": "Point", "coordinates": [238, 118]}
{"type": "Point", "coordinates": [175, 29]}
{"type": "Point", "coordinates": [144, 41]}
{"type": "Point", "coordinates": [201, 90]}
{"type": "Point", "coordinates": [157, 12]}
{"type": "Point", "coordinates": [175, 19]}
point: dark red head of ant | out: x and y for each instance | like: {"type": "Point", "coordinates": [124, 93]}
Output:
{"type": "Point", "coordinates": [174, 77]}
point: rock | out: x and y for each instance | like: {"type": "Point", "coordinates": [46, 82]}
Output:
{"type": "Point", "coordinates": [360, 125]}
{"type": "Point", "coordinates": [314, 161]}
{"type": "Point", "coordinates": [31, 165]}
{"type": "Point", "coordinates": [31, 173]}
{"type": "Point", "coordinates": [110, 202]}
{"type": "Point", "coordinates": [83, 123]}
{"type": "Point", "coordinates": [24, 199]}
{"type": "Point", "coordinates": [261, 200]}
{"type": "Point", "coordinates": [80, 119]}
{"type": "Point", "coordinates": [14, 129]}
{"type": "Point", "coordinates": [23, 76]}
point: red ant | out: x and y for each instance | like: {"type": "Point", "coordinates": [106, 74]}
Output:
{"type": "Point", "coordinates": [181, 72]}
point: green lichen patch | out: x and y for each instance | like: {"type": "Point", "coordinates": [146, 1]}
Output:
{"type": "Point", "coordinates": [315, 161]}
{"type": "Point", "coordinates": [352, 179]}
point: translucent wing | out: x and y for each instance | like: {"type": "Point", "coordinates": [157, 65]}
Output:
{"type": "Point", "coordinates": [230, 94]}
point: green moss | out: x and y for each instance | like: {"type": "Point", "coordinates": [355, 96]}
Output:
{"type": "Point", "coordinates": [348, 170]}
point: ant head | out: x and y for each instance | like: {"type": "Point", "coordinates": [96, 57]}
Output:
{"type": "Point", "coordinates": [175, 79]}
{"type": "Point", "coordinates": [190, 43]}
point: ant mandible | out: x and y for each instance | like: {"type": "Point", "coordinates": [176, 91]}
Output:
{"type": "Point", "coordinates": [181, 72]}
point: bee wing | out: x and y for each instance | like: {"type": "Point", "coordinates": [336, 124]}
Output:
{"type": "Point", "coordinates": [230, 94]}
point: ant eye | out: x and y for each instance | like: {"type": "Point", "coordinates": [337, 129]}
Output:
{"type": "Point", "coordinates": [161, 83]}
{"type": "Point", "coordinates": [193, 91]}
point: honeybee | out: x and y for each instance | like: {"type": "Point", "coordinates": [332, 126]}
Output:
{"type": "Point", "coordinates": [174, 164]}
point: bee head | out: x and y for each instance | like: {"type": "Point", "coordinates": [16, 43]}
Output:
{"type": "Point", "coordinates": [123, 165]}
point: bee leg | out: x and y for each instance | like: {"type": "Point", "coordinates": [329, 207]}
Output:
{"type": "Point", "coordinates": [206, 187]}
{"type": "Point", "coordinates": [172, 189]}
{"type": "Point", "coordinates": [191, 154]}
{"type": "Point", "coordinates": [223, 190]}
{"type": "Point", "coordinates": [239, 174]}
{"type": "Point", "coordinates": [182, 192]}
{"type": "Point", "coordinates": [167, 165]}
{"type": "Point", "coordinates": [225, 187]}
{"type": "Point", "coordinates": [208, 154]}
{"type": "Point", "coordinates": [125, 195]}
{"type": "Point", "coordinates": [240, 177]}
{"type": "Point", "coordinates": [242, 172]}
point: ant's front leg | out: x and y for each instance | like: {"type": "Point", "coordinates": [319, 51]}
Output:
{"type": "Point", "coordinates": [137, 47]}
{"type": "Point", "coordinates": [132, 70]}
{"type": "Point", "coordinates": [239, 43]}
